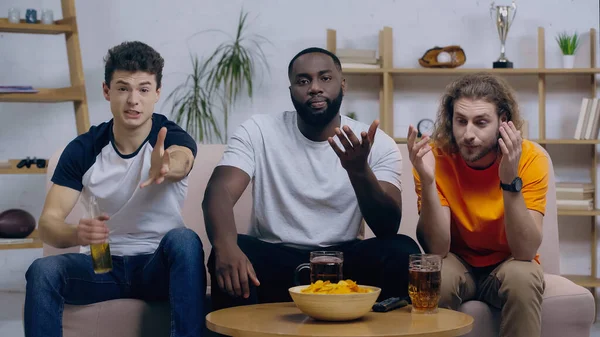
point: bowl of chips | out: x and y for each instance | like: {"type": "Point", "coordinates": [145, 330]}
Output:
{"type": "Point", "coordinates": [341, 301]}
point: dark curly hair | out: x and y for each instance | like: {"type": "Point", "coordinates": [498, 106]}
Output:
{"type": "Point", "coordinates": [492, 89]}
{"type": "Point", "coordinates": [133, 56]}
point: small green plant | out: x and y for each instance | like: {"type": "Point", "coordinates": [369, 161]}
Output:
{"type": "Point", "coordinates": [192, 105]}
{"type": "Point", "coordinates": [568, 43]}
{"type": "Point", "coordinates": [217, 82]}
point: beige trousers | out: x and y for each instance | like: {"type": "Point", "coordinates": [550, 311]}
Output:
{"type": "Point", "coordinates": [515, 287]}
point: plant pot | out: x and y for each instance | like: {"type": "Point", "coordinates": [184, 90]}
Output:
{"type": "Point", "coordinates": [568, 61]}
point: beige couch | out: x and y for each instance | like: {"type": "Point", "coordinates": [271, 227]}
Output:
{"type": "Point", "coordinates": [568, 309]}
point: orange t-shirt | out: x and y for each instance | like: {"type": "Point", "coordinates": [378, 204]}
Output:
{"type": "Point", "coordinates": [476, 202]}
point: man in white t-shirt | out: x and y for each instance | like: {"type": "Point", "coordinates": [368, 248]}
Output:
{"type": "Point", "coordinates": [136, 166]}
{"type": "Point", "coordinates": [316, 175]}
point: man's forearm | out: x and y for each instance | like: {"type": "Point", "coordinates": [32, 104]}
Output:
{"type": "Point", "coordinates": [180, 164]}
{"type": "Point", "coordinates": [219, 218]}
{"type": "Point", "coordinates": [380, 210]}
{"type": "Point", "coordinates": [57, 233]}
{"type": "Point", "coordinates": [433, 228]}
{"type": "Point", "coordinates": [522, 234]}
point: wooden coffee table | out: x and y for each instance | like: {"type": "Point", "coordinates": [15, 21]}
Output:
{"type": "Point", "coordinates": [285, 320]}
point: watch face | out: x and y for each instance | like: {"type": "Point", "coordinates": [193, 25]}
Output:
{"type": "Point", "coordinates": [425, 126]}
{"type": "Point", "coordinates": [518, 184]}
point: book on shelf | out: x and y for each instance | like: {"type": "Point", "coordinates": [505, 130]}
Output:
{"type": "Point", "coordinates": [358, 58]}
{"type": "Point", "coordinates": [17, 89]}
{"type": "Point", "coordinates": [575, 196]}
{"type": "Point", "coordinates": [588, 123]}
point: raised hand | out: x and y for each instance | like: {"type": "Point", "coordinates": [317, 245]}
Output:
{"type": "Point", "coordinates": [355, 154]}
{"type": "Point", "coordinates": [160, 161]}
{"type": "Point", "coordinates": [420, 156]}
{"type": "Point", "coordinates": [510, 144]}
{"type": "Point", "coordinates": [92, 231]}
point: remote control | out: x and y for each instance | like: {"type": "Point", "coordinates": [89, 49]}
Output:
{"type": "Point", "coordinates": [389, 304]}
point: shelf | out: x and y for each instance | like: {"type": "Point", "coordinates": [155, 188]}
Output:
{"type": "Point", "coordinates": [569, 212]}
{"type": "Point", "coordinates": [585, 281]}
{"type": "Point", "coordinates": [60, 27]}
{"type": "Point", "coordinates": [24, 170]}
{"type": "Point", "coordinates": [364, 71]}
{"type": "Point", "coordinates": [513, 71]}
{"type": "Point", "coordinates": [37, 243]}
{"type": "Point", "coordinates": [567, 141]}
{"type": "Point", "coordinates": [69, 94]}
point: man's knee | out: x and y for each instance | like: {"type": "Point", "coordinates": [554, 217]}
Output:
{"type": "Point", "coordinates": [521, 279]}
{"type": "Point", "coordinates": [184, 241]}
{"type": "Point", "coordinates": [45, 270]}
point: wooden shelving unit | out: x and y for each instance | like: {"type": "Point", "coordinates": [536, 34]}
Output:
{"type": "Point", "coordinates": [13, 169]}
{"type": "Point", "coordinates": [74, 93]}
{"type": "Point", "coordinates": [388, 72]}
{"type": "Point", "coordinates": [37, 243]}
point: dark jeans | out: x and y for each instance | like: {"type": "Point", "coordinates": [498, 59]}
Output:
{"type": "Point", "coordinates": [378, 262]}
{"type": "Point", "coordinates": [174, 273]}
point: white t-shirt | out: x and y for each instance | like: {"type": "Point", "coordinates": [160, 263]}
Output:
{"type": "Point", "coordinates": [139, 218]}
{"type": "Point", "coordinates": [301, 193]}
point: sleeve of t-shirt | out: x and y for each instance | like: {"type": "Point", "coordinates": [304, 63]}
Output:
{"type": "Point", "coordinates": [240, 151]}
{"type": "Point", "coordinates": [72, 165]}
{"type": "Point", "coordinates": [534, 174]}
{"type": "Point", "coordinates": [177, 136]}
{"type": "Point", "coordinates": [443, 200]}
{"type": "Point", "coordinates": [387, 165]}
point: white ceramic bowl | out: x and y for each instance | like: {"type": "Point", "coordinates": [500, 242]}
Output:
{"type": "Point", "coordinates": [334, 307]}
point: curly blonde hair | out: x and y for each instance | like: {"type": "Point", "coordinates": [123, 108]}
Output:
{"type": "Point", "coordinates": [485, 86]}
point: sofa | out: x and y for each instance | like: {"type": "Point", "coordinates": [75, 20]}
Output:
{"type": "Point", "coordinates": [568, 309]}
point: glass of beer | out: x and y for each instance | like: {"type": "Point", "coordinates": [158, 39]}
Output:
{"type": "Point", "coordinates": [425, 278]}
{"type": "Point", "coordinates": [324, 266]}
{"type": "Point", "coordinates": [101, 257]}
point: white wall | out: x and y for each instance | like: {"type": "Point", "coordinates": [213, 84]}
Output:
{"type": "Point", "coordinates": [39, 129]}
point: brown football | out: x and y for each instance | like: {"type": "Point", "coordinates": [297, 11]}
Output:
{"type": "Point", "coordinates": [16, 223]}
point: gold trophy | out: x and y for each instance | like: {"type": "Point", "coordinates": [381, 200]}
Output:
{"type": "Point", "coordinates": [503, 19]}
{"type": "Point", "coordinates": [101, 257]}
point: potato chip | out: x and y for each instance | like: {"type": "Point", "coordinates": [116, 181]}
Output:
{"type": "Point", "coordinates": [342, 287]}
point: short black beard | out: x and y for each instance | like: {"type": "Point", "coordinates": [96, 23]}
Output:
{"type": "Point", "coordinates": [318, 119]}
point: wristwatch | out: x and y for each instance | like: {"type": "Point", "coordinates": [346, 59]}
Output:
{"type": "Point", "coordinates": [514, 186]}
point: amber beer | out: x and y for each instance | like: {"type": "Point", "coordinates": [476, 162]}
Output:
{"type": "Point", "coordinates": [324, 266]}
{"type": "Point", "coordinates": [425, 279]}
{"type": "Point", "coordinates": [101, 257]}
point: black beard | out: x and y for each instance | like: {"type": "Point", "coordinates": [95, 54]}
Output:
{"type": "Point", "coordinates": [315, 118]}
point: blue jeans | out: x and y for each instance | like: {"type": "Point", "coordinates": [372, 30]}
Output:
{"type": "Point", "coordinates": [174, 273]}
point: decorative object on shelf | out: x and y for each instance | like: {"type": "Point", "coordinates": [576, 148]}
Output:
{"type": "Point", "coordinates": [453, 56]}
{"type": "Point", "coordinates": [14, 15]}
{"type": "Point", "coordinates": [27, 162]}
{"type": "Point", "coordinates": [47, 17]}
{"type": "Point", "coordinates": [425, 126]}
{"type": "Point", "coordinates": [16, 224]}
{"type": "Point", "coordinates": [218, 82]}
{"type": "Point", "coordinates": [31, 16]}
{"type": "Point", "coordinates": [503, 19]}
{"type": "Point", "coordinates": [568, 44]}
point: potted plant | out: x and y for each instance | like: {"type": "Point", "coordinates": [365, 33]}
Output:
{"type": "Point", "coordinates": [217, 82]}
{"type": "Point", "coordinates": [193, 106]}
{"type": "Point", "coordinates": [568, 44]}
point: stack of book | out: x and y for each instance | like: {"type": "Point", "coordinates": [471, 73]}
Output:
{"type": "Point", "coordinates": [358, 58]}
{"type": "Point", "coordinates": [588, 122]}
{"type": "Point", "coordinates": [575, 196]}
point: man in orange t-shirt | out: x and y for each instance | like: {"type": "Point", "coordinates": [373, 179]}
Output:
{"type": "Point", "coordinates": [481, 192]}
